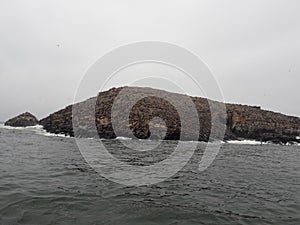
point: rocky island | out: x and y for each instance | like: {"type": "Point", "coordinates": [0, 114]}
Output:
{"type": "Point", "coordinates": [241, 121]}
{"type": "Point", "coordinates": [95, 119]}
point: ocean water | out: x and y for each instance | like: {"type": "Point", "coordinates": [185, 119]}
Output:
{"type": "Point", "coordinates": [45, 180]}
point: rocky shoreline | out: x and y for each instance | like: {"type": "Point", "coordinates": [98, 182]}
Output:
{"type": "Point", "coordinates": [240, 121]}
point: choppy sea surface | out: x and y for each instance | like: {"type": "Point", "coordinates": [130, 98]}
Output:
{"type": "Point", "coordinates": [45, 180]}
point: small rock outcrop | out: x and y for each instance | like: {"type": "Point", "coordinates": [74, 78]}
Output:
{"type": "Point", "coordinates": [22, 120]}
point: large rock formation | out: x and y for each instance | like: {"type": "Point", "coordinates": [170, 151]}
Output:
{"type": "Point", "coordinates": [245, 122]}
{"type": "Point", "coordinates": [22, 120]}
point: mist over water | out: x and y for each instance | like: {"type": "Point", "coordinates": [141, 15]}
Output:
{"type": "Point", "coordinates": [45, 180]}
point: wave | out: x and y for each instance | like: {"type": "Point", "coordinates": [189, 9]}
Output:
{"type": "Point", "coordinates": [123, 138]}
{"type": "Point", "coordinates": [246, 142]}
{"type": "Point", "coordinates": [253, 142]}
{"type": "Point", "coordinates": [37, 129]}
{"type": "Point", "coordinates": [2, 126]}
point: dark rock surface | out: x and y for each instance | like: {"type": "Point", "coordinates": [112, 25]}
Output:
{"type": "Point", "coordinates": [93, 118]}
{"type": "Point", "coordinates": [22, 120]}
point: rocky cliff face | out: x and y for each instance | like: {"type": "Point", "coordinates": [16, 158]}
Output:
{"type": "Point", "coordinates": [253, 123]}
{"type": "Point", "coordinates": [241, 121]}
{"type": "Point", "coordinates": [22, 120]}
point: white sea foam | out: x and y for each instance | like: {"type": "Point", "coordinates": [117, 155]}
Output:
{"type": "Point", "coordinates": [2, 126]}
{"type": "Point", "coordinates": [123, 138]}
{"type": "Point", "coordinates": [253, 142]}
{"type": "Point", "coordinates": [38, 129]}
{"type": "Point", "coordinates": [246, 142]}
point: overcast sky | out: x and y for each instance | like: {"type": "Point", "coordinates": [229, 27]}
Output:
{"type": "Point", "coordinates": [252, 46]}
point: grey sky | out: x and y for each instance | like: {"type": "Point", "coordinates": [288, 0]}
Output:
{"type": "Point", "coordinates": [252, 46]}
